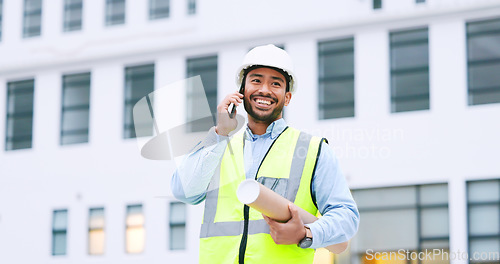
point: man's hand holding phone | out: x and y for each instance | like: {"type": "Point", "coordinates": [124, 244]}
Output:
{"type": "Point", "coordinates": [225, 123]}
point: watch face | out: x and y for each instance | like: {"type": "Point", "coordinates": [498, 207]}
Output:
{"type": "Point", "coordinates": [306, 242]}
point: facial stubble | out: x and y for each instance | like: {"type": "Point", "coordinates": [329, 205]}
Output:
{"type": "Point", "coordinates": [263, 115]}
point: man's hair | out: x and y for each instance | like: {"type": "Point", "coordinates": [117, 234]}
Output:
{"type": "Point", "coordinates": [253, 67]}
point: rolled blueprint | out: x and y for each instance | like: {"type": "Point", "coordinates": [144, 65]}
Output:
{"type": "Point", "coordinates": [273, 205]}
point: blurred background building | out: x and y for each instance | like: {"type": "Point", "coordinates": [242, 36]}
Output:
{"type": "Point", "coordinates": [406, 91]}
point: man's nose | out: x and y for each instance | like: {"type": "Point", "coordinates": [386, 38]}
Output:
{"type": "Point", "coordinates": [265, 88]}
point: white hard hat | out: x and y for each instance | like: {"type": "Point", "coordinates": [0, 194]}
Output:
{"type": "Point", "coordinates": [271, 56]}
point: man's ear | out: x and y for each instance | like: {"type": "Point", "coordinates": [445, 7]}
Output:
{"type": "Point", "coordinates": [288, 97]}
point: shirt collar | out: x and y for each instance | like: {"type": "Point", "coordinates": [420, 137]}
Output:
{"type": "Point", "coordinates": [274, 130]}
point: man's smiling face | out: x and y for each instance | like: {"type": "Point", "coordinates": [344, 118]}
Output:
{"type": "Point", "coordinates": [265, 94]}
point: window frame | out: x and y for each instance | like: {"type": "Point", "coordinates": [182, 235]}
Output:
{"type": "Point", "coordinates": [111, 20]}
{"type": "Point", "coordinates": [479, 62]}
{"type": "Point", "coordinates": [1, 19]}
{"type": "Point", "coordinates": [67, 8]}
{"type": "Point", "coordinates": [154, 13]}
{"type": "Point", "coordinates": [27, 31]}
{"type": "Point", "coordinates": [472, 204]}
{"type": "Point", "coordinates": [129, 102]}
{"type": "Point", "coordinates": [323, 79]}
{"type": "Point", "coordinates": [11, 91]}
{"type": "Point", "coordinates": [191, 7]}
{"type": "Point", "coordinates": [127, 226]}
{"type": "Point", "coordinates": [79, 107]}
{"type": "Point", "coordinates": [177, 224]}
{"type": "Point", "coordinates": [59, 231]}
{"type": "Point", "coordinates": [418, 206]}
{"type": "Point", "coordinates": [211, 93]}
{"type": "Point", "coordinates": [90, 229]}
{"type": "Point", "coordinates": [423, 95]}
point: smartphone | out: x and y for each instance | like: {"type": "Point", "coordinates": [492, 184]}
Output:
{"type": "Point", "coordinates": [232, 107]}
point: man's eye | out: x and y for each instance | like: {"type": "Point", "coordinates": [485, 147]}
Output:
{"type": "Point", "coordinates": [256, 80]}
{"type": "Point", "coordinates": [277, 84]}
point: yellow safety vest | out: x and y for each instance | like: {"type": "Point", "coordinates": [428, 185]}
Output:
{"type": "Point", "coordinates": [235, 233]}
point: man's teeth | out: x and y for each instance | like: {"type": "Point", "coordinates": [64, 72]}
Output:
{"type": "Point", "coordinates": [263, 101]}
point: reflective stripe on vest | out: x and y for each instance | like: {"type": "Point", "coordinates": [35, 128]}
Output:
{"type": "Point", "coordinates": [223, 221]}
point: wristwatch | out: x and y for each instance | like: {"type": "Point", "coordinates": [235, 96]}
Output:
{"type": "Point", "coordinates": [307, 241]}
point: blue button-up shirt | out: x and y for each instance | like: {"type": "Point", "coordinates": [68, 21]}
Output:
{"type": "Point", "coordinates": [340, 216]}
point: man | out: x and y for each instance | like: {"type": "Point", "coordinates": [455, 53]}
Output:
{"type": "Point", "coordinates": [300, 167]}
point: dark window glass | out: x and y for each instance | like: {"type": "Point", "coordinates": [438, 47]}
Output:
{"type": "Point", "coordinates": [72, 15]}
{"type": "Point", "coordinates": [32, 22]}
{"type": "Point", "coordinates": [115, 12]}
{"type": "Point", "coordinates": [336, 78]}
{"type": "Point", "coordinates": [139, 82]}
{"type": "Point", "coordinates": [409, 218]}
{"type": "Point", "coordinates": [75, 109]}
{"type": "Point", "coordinates": [191, 7]}
{"type": "Point", "coordinates": [1, 15]}
{"type": "Point", "coordinates": [177, 226]}
{"type": "Point", "coordinates": [206, 67]}
{"type": "Point", "coordinates": [159, 9]}
{"type": "Point", "coordinates": [59, 232]}
{"type": "Point", "coordinates": [19, 129]}
{"type": "Point", "coordinates": [409, 70]}
{"type": "Point", "coordinates": [483, 60]}
{"type": "Point", "coordinates": [377, 4]}
{"type": "Point", "coordinates": [484, 219]}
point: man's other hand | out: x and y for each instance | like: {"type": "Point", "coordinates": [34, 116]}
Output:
{"type": "Point", "coordinates": [290, 232]}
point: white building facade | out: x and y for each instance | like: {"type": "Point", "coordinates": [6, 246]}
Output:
{"type": "Point", "coordinates": [406, 91]}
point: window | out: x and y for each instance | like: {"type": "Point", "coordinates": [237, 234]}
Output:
{"type": "Point", "coordinates": [59, 232]}
{"type": "Point", "coordinates": [206, 67]}
{"type": "Point", "coordinates": [19, 114]}
{"type": "Point", "coordinates": [139, 82]}
{"type": "Point", "coordinates": [159, 9]}
{"type": "Point", "coordinates": [177, 226]}
{"type": "Point", "coordinates": [377, 4]}
{"type": "Point", "coordinates": [412, 218]}
{"type": "Point", "coordinates": [336, 78]}
{"type": "Point", "coordinates": [115, 12]}
{"type": "Point", "coordinates": [96, 231]}
{"type": "Point", "coordinates": [135, 233]}
{"type": "Point", "coordinates": [191, 7]}
{"type": "Point", "coordinates": [419, 1]}
{"type": "Point", "coordinates": [484, 224]}
{"type": "Point", "coordinates": [483, 60]}
{"type": "Point", "coordinates": [73, 15]}
{"type": "Point", "coordinates": [409, 70]}
{"type": "Point", "coordinates": [75, 109]}
{"type": "Point", "coordinates": [32, 25]}
{"type": "Point", "coordinates": [1, 15]}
